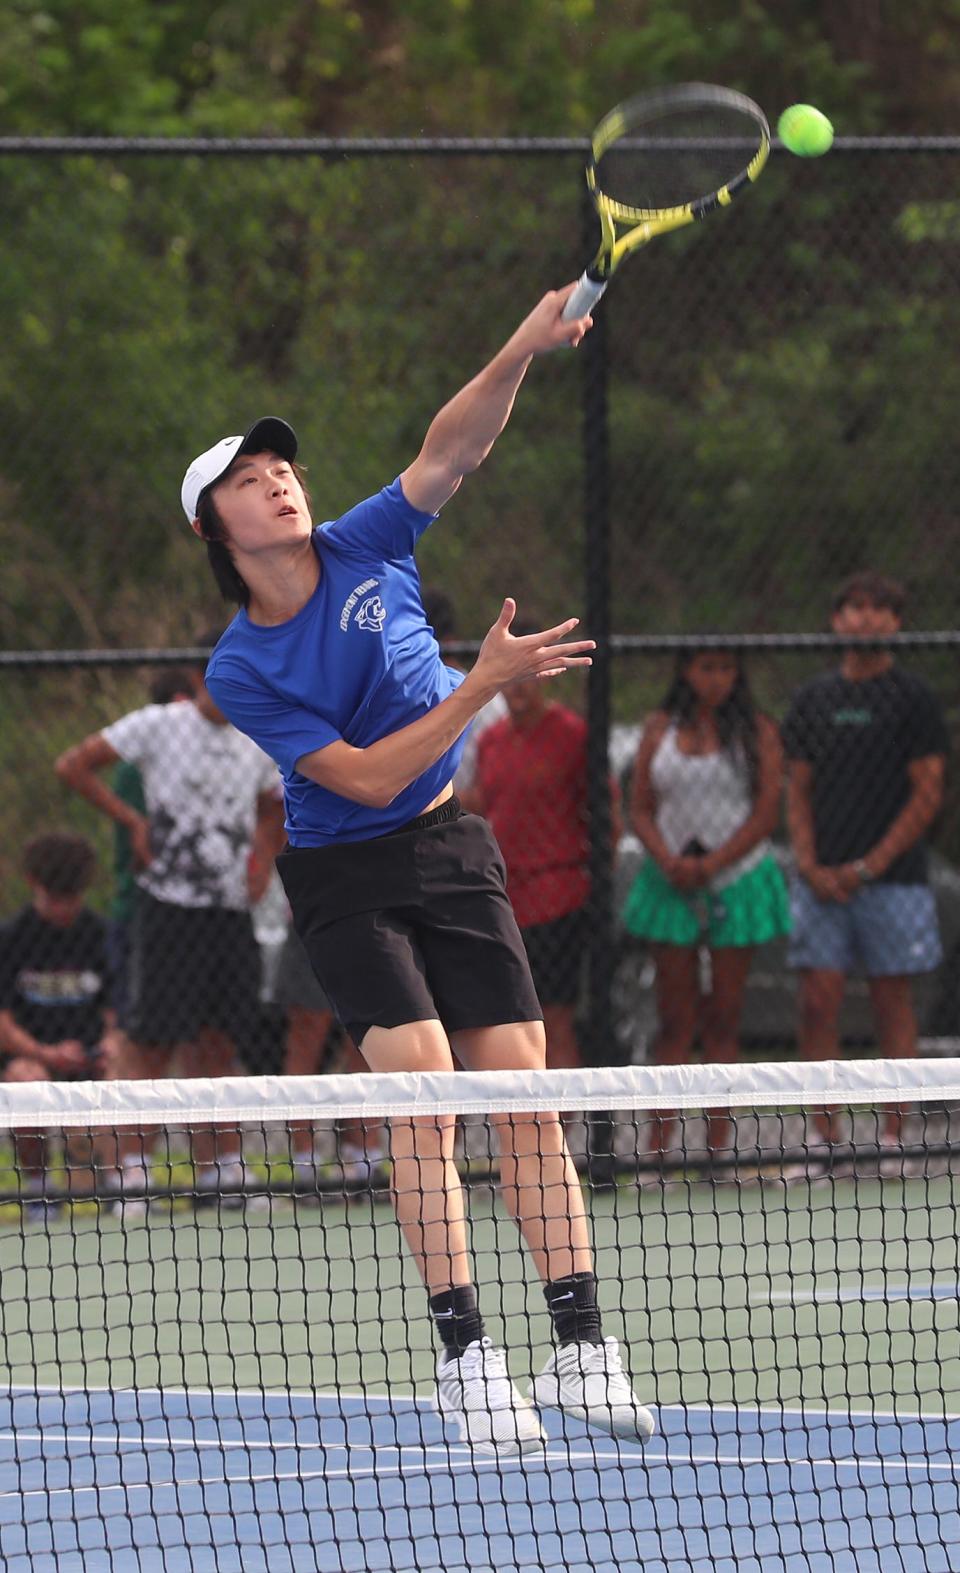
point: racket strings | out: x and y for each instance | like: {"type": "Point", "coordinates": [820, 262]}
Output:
{"type": "Point", "coordinates": [677, 158]}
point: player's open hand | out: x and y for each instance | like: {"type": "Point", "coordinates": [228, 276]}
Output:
{"type": "Point", "coordinates": [506, 659]}
{"type": "Point", "coordinates": [545, 329]}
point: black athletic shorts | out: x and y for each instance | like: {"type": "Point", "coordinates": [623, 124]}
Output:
{"type": "Point", "coordinates": [413, 926]}
{"type": "Point", "coordinates": [555, 951]}
{"type": "Point", "coordinates": [190, 967]}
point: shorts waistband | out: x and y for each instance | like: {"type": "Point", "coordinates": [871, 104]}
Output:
{"type": "Point", "coordinates": [443, 814]}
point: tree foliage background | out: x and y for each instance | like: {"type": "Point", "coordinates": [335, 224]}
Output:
{"type": "Point", "coordinates": [782, 384]}
{"type": "Point", "coordinates": [779, 405]}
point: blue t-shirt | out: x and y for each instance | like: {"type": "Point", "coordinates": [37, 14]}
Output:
{"type": "Point", "coordinates": [357, 662]}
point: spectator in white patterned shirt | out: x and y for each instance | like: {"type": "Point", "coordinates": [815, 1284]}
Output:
{"type": "Point", "coordinates": [194, 964]}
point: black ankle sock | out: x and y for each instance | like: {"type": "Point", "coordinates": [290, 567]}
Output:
{"type": "Point", "coordinates": [573, 1305]}
{"type": "Point", "coordinates": [457, 1317]}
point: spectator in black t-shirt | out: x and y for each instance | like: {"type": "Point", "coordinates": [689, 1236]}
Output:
{"type": "Point", "coordinates": [867, 750]}
{"type": "Point", "coordinates": [53, 981]}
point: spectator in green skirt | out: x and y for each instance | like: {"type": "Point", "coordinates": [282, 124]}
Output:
{"type": "Point", "coordinates": [705, 799]}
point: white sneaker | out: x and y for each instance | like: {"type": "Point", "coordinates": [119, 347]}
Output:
{"type": "Point", "coordinates": [476, 1393]}
{"type": "Point", "coordinates": [588, 1381]}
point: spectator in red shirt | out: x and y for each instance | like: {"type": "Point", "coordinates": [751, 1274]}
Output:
{"type": "Point", "coordinates": [531, 784]}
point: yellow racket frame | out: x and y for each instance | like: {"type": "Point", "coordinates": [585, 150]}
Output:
{"type": "Point", "coordinates": [647, 223]}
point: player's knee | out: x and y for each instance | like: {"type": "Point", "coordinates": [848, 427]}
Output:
{"type": "Point", "coordinates": [416, 1046]}
{"type": "Point", "coordinates": [527, 1044]}
{"type": "Point", "coordinates": [513, 1046]}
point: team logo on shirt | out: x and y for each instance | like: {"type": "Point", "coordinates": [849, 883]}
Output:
{"type": "Point", "coordinates": [369, 613]}
{"type": "Point", "coordinates": [372, 614]}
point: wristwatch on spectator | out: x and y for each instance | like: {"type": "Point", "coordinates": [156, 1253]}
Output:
{"type": "Point", "coordinates": [863, 872]}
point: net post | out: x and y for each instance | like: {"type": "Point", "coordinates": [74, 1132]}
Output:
{"type": "Point", "coordinates": [595, 437]}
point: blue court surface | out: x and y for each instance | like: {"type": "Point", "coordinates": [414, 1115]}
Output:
{"type": "Point", "coordinates": [203, 1481]}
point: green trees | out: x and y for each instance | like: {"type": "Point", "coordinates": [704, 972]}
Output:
{"type": "Point", "coordinates": [780, 384]}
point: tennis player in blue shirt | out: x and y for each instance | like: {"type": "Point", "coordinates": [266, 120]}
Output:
{"type": "Point", "coordinates": [398, 896]}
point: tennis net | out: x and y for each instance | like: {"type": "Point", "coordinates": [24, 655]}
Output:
{"type": "Point", "coordinates": [223, 1359]}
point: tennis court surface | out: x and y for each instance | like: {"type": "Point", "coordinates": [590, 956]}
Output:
{"type": "Point", "coordinates": [243, 1380]}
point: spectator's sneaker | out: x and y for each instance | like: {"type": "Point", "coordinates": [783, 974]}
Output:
{"type": "Point", "coordinates": [476, 1393]}
{"type": "Point", "coordinates": [589, 1382]}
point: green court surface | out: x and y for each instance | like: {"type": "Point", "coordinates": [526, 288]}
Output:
{"type": "Point", "coordinates": [843, 1294]}
{"type": "Point", "coordinates": [245, 1388]}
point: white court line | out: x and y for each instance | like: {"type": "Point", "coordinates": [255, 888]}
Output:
{"type": "Point", "coordinates": [829, 1412]}
{"type": "Point", "coordinates": [813, 1411]}
{"type": "Point", "coordinates": [96, 1436]}
{"type": "Point", "coordinates": [15, 1390]}
{"type": "Point", "coordinates": [856, 1293]}
{"type": "Point", "coordinates": [475, 1464]}
{"type": "Point", "coordinates": [335, 1395]}
{"type": "Point", "coordinates": [192, 1445]}
{"type": "Point", "coordinates": [469, 1462]}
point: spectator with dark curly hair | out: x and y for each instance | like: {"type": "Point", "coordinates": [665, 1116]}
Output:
{"type": "Point", "coordinates": [194, 968]}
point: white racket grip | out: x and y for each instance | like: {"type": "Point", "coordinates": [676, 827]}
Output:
{"type": "Point", "coordinates": [584, 298]}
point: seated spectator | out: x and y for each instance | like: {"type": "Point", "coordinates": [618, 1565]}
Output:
{"type": "Point", "coordinates": [53, 984]}
{"type": "Point", "coordinates": [193, 986]}
{"type": "Point", "coordinates": [867, 749]}
{"type": "Point", "coordinates": [705, 799]}
{"type": "Point", "coordinates": [531, 783]}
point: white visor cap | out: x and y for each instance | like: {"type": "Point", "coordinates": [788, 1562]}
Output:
{"type": "Point", "coordinates": [268, 435]}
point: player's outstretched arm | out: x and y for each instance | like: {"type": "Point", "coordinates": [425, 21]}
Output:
{"type": "Point", "coordinates": [464, 431]}
{"type": "Point", "coordinates": [375, 775]}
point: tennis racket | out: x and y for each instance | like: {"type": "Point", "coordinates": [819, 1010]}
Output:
{"type": "Point", "coordinates": [662, 160]}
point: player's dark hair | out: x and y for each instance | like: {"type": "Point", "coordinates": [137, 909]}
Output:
{"type": "Point", "coordinates": [440, 612]}
{"type": "Point", "coordinates": [232, 586]}
{"type": "Point", "coordinates": [878, 588]}
{"type": "Point", "coordinates": [61, 863]}
{"type": "Point", "coordinates": [736, 718]}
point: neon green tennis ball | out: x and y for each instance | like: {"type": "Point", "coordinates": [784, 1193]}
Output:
{"type": "Point", "coordinates": [805, 131]}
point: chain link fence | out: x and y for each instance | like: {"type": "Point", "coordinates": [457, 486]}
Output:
{"type": "Point", "coordinates": [761, 410]}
